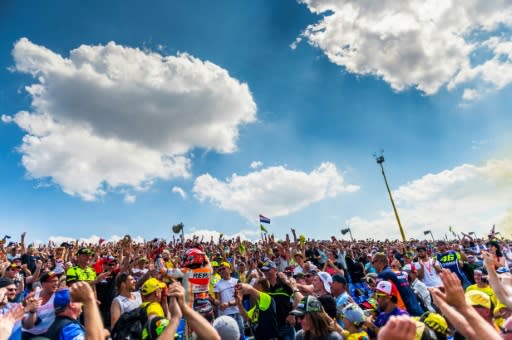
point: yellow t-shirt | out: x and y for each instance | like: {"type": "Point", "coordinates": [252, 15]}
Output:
{"type": "Point", "coordinates": [356, 336]}
{"type": "Point", "coordinates": [154, 308]}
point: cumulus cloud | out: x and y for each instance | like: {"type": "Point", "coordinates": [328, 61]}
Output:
{"type": "Point", "coordinates": [277, 191]}
{"type": "Point", "coordinates": [110, 116]}
{"type": "Point", "coordinates": [94, 239]}
{"type": "Point", "coordinates": [180, 192]}
{"type": "Point", "coordinates": [256, 164]}
{"type": "Point", "coordinates": [207, 234]}
{"type": "Point", "coordinates": [425, 44]}
{"type": "Point", "coordinates": [468, 197]}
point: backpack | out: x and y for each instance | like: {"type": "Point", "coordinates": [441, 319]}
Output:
{"type": "Point", "coordinates": [131, 325]}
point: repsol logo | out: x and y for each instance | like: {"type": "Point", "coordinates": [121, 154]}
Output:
{"type": "Point", "coordinates": [201, 275]}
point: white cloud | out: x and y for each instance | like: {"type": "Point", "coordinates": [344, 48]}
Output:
{"type": "Point", "coordinates": [421, 43]}
{"type": "Point", "coordinates": [469, 197]}
{"type": "Point", "coordinates": [91, 239]}
{"type": "Point", "coordinates": [276, 191]}
{"type": "Point", "coordinates": [207, 234]}
{"type": "Point", "coordinates": [179, 191]}
{"type": "Point", "coordinates": [256, 164]}
{"type": "Point", "coordinates": [109, 117]}
{"type": "Point", "coordinates": [129, 198]}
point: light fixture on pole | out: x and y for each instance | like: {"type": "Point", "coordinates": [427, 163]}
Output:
{"type": "Point", "coordinates": [426, 232]}
{"type": "Point", "coordinates": [178, 228]}
{"type": "Point", "coordinates": [347, 230]}
{"type": "Point", "coordinates": [380, 160]}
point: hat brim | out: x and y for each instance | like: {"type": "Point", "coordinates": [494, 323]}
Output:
{"type": "Point", "coordinates": [298, 312]}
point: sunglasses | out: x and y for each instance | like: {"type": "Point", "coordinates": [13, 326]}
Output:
{"type": "Point", "coordinates": [300, 317]}
{"type": "Point", "coordinates": [379, 295]}
{"type": "Point", "coordinates": [222, 268]}
{"type": "Point", "coordinates": [11, 289]}
{"type": "Point", "coordinates": [308, 275]}
{"type": "Point", "coordinates": [14, 268]}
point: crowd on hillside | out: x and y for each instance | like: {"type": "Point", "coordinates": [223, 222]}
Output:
{"type": "Point", "coordinates": [295, 288]}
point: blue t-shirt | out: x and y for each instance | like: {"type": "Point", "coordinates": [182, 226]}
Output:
{"type": "Point", "coordinates": [73, 331]}
{"type": "Point", "coordinates": [402, 284]}
{"type": "Point", "coordinates": [383, 317]}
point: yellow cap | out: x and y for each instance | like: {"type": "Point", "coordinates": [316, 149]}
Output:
{"type": "Point", "coordinates": [151, 285]}
{"type": "Point", "coordinates": [478, 298]}
{"type": "Point", "coordinates": [436, 322]}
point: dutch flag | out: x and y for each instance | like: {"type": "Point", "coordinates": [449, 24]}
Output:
{"type": "Point", "coordinates": [264, 219]}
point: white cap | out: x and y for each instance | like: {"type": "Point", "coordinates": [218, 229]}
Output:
{"type": "Point", "coordinates": [326, 279]}
{"type": "Point", "coordinates": [384, 287]}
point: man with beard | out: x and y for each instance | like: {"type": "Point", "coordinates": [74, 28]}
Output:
{"type": "Point", "coordinates": [127, 300]}
{"type": "Point", "coordinates": [429, 269]}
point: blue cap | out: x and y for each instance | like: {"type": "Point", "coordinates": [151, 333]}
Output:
{"type": "Point", "coordinates": [61, 300]}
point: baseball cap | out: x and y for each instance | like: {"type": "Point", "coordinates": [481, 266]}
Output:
{"type": "Point", "coordinates": [151, 285]}
{"type": "Point", "coordinates": [353, 313]}
{"type": "Point", "coordinates": [385, 287]}
{"type": "Point", "coordinates": [46, 276]}
{"type": "Point", "coordinates": [227, 327]}
{"type": "Point", "coordinates": [225, 264]}
{"type": "Point", "coordinates": [435, 321]}
{"type": "Point", "coordinates": [309, 304]}
{"type": "Point", "coordinates": [338, 278]}
{"type": "Point", "coordinates": [61, 299]}
{"type": "Point", "coordinates": [326, 279]}
{"type": "Point", "coordinates": [478, 298]}
{"type": "Point", "coordinates": [4, 282]}
{"type": "Point", "coordinates": [214, 263]}
{"type": "Point", "coordinates": [268, 265]}
{"type": "Point", "coordinates": [84, 251]}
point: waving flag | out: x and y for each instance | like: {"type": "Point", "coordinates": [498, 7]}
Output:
{"type": "Point", "coordinates": [493, 230]}
{"type": "Point", "coordinates": [263, 229]}
{"type": "Point", "coordinates": [264, 219]}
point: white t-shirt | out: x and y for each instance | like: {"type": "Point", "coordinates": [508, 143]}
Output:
{"type": "Point", "coordinates": [226, 290]}
{"type": "Point", "coordinates": [430, 276]}
{"type": "Point", "coordinates": [46, 313]}
{"type": "Point", "coordinates": [127, 305]}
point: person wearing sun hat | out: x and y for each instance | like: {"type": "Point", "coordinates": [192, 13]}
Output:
{"type": "Point", "coordinates": [353, 321]}
{"type": "Point", "coordinates": [481, 302]}
{"type": "Point", "coordinates": [316, 324]}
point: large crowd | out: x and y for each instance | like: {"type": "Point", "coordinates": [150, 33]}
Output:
{"type": "Point", "coordinates": [288, 289]}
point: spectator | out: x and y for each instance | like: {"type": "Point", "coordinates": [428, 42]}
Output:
{"type": "Point", "coordinates": [380, 262]}
{"type": "Point", "coordinates": [225, 295]}
{"type": "Point", "coordinates": [127, 300]}
{"type": "Point", "coordinates": [387, 306]}
{"type": "Point", "coordinates": [316, 324]}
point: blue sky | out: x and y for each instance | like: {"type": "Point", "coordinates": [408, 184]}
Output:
{"type": "Point", "coordinates": [128, 118]}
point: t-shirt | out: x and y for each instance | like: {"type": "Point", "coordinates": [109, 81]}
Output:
{"type": "Point", "coordinates": [281, 294]}
{"type": "Point", "coordinates": [45, 313]}
{"type": "Point", "coordinates": [73, 331]}
{"type": "Point", "coordinates": [263, 318]}
{"type": "Point", "coordinates": [226, 290]}
{"type": "Point", "coordinates": [301, 335]}
{"type": "Point", "coordinates": [383, 317]}
{"type": "Point", "coordinates": [450, 260]}
{"type": "Point", "coordinates": [154, 308]}
{"type": "Point", "coordinates": [356, 336]}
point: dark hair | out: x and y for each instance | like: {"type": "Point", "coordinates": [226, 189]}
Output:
{"type": "Point", "coordinates": [498, 248]}
{"type": "Point", "coordinates": [122, 277]}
